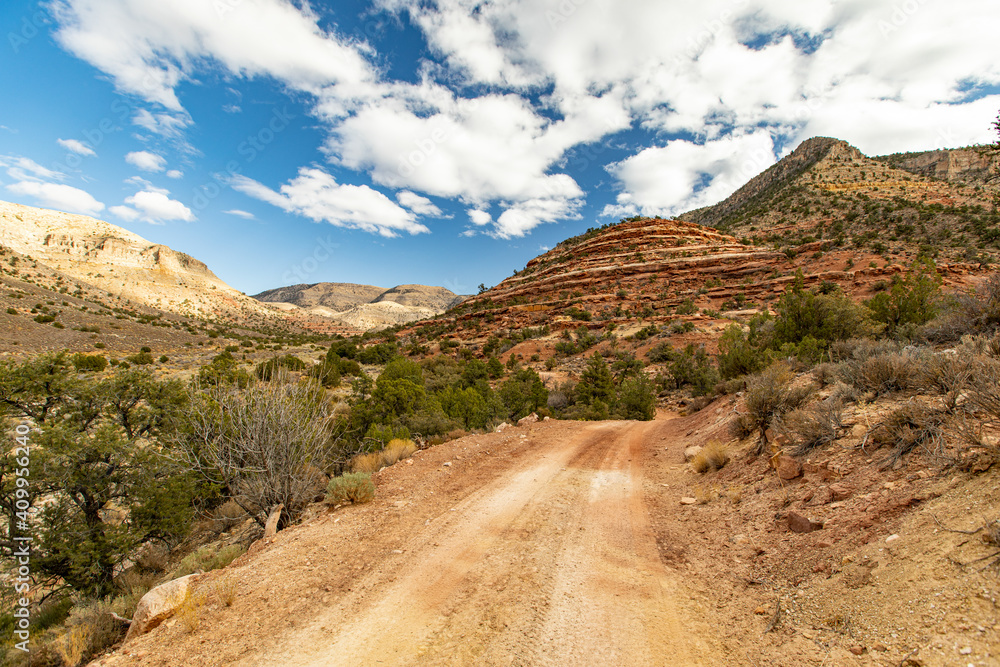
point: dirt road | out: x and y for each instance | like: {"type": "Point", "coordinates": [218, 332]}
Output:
{"type": "Point", "coordinates": [551, 563]}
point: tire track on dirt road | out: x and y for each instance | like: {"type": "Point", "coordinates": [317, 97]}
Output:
{"type": "Point", "coordinates": [553, 563]}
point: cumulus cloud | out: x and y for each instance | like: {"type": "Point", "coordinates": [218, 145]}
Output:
{"type": "Point", "coordinates": [246, 215]}
{"type": "Point", "coordinates": [149, 48]}
{"type": "Point", "coordinates": [315, 194]}
{"type": "Point", "coordinates": [58, 196]}
{"type": "Point", "coordinates": [76, 146]}
{"type": "Point", "coordinates": [479, 217]}
{"type": "Point", "coordinates": [684, 175]}
{"type": "Point", "coordinates": [723, 75]}
{"type": "Point", "coordinates": [175, 174]}
{"type": "Point", "coordinates": [146, 161]}
{"type": "Point", "coordinates": [417, 204]}
{"type": "Point", "coordinates": [153, 206]}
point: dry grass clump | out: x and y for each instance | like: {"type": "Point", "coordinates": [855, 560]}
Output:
{"type": "Point", "coordinates": [395, 450]}
{"type": "Point", "coordinates": [713, 456]}
{"type": "Point", "coordinates": [226, 590]}
{"type": "Point", "coordinates": [227, 516]}
{"type": "Point", "coordinates": [89, 630]}
{"type": "Point", "coordinates": [769, 394]}
{"type": "Point", "coordinates": [812, 426]}
{"type": "Point", "coordinates": [910, 426]}
{"type": "Point", "coordinates": [73, 645]}
{"type": "Point", "coordinates": [367, 463]}
{"type": "Point", "coordinates": [883, 372]}
{"type": "Point", "coordinates": [354, 487]}
{"type": "Point", "coordinates": [189, 612]}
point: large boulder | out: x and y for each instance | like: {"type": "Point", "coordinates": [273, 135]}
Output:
{"type": "Point", "coordinates": [159, 604]}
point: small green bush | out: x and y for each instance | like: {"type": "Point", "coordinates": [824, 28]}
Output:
{"type": "Point", "coordinates": [208, 558]}
{"type": "Point", "coordinates": [355, 487]}
{"type": "Point", "coordinates": [141, 359]}
{"type": "Point", "coordinates": [93, 363]}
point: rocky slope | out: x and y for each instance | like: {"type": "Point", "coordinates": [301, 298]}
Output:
{"type": "Point", "coordinates": [826, 210]}
{"type": "Point", "coordinates": [124, 264]}
{"type": "Point", "coordinates": [363, 307]}
{"type": "Point", "coordinates": [971, 166]}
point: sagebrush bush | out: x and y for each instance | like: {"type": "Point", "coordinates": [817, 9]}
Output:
{"type": "Point", "coordinates": [354, 487]}
{"type": "Point", "coordinates": [713, 456]}
{"type": "Point", "coordinates": [812, 426]}
{"type": "Point", "coordinates": [910, 426]}
{"type": "Point", "coordinates": [768, 395]}
{"type": "Point", "coordinates": [882, 373]}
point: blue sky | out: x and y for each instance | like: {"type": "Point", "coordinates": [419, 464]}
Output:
{"type": "Point", "coordinates": [447, 142]}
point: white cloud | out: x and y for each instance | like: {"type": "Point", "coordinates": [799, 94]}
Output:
{"type": "Point", "coordinates": [417, 204]}
{"type": "Point", "coordinates": [25, 169]}
{"type": "Point", "coordinates": [146, 161]}
{"type": "Point", "coordinates": [566, 74]}
{"type": "Point", "coordinates": [683, 175]}
{"type": "Point", "coordinates": [125, 213]}
{"type": "Point", "coordinates": [246, 215]}
{"type": "Point", "coordinates": [149, 48]}
{"type": "Point", "coordinates": [316, 195]}
{"type": "Point", "coordinates": [142, 184]}
{"type": "Point", "coordinates": [167, 125]}
{"type": "Point", "coordinates": [479, 217]}
{"type": "Point", "coordinates": [58, 196]}
{"type": "Point", "coordinates": [153, 206]}
{"type": "Point", "coordinates": [76, 146]}
{"type": "Point", "coordinates": [175, 173]}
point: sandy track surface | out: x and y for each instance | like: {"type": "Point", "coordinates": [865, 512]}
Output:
{"type": "Point", "coordinates": [551, 563]}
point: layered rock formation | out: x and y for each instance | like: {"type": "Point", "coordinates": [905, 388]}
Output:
{"type": "Point", "coordinates": [363, 307]}
{"type": "Point", "coordinates": [124, 264]}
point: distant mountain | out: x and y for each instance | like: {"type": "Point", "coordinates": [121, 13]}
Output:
{"type": "Point", "coordinates": [363, 307]}
{"type": "Point", "coordinates": [125, 265]}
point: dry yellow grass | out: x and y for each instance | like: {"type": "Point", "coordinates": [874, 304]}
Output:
{"type": "Point", "coordinates": [367, 463]}
{"type": "Point", "coordinates": [396, 450]}
{"type": "Point", "coordinates": [226, 589]}
{"type": "Point", "coordinates": [713, 456]}
{"type": "Point", "coordinates": [189, 613]}
{"type": "Point", "coordinates": [72, 645]}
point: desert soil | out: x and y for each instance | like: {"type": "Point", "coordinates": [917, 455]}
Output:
{"type": "Point", "coordinates": [566, 543]}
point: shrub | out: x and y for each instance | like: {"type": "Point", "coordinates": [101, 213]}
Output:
{"type": "Point", "coordinates": [266, 370]}
{"type": "Point", "coordinates": [913, 300]}
{"type": "Point", "coordinates": [367, 463]}
{"type": "Point", "coordinates": [713, 456]}
{"type": "Point", "coordinates": [354, 487]}
{"type": "Point", "coordinates": [769, 395]}
{"type": "Point", "coordinates": [812, 426]}
{"type": "Point", "coordinates": [397, 450]}
{"type": "Point", "coordinates": [207, 558]}
{"type": "Point", "coordinates": [93, 363]}
{"type": "Point", "coordinates": [908, 427]}
{"type": "Point", "coordinates": [636, 399]}
{"type": "Point", "coordinates": [264, 444]}
{"type": "Point", "coordinates": [686, 307]}
{"type": "Point", "coordinates": [141, 359]}
{"type": "Point", "coordinates": [974, 312]}
{"type": "Point", "coordinates": [882, 373]}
